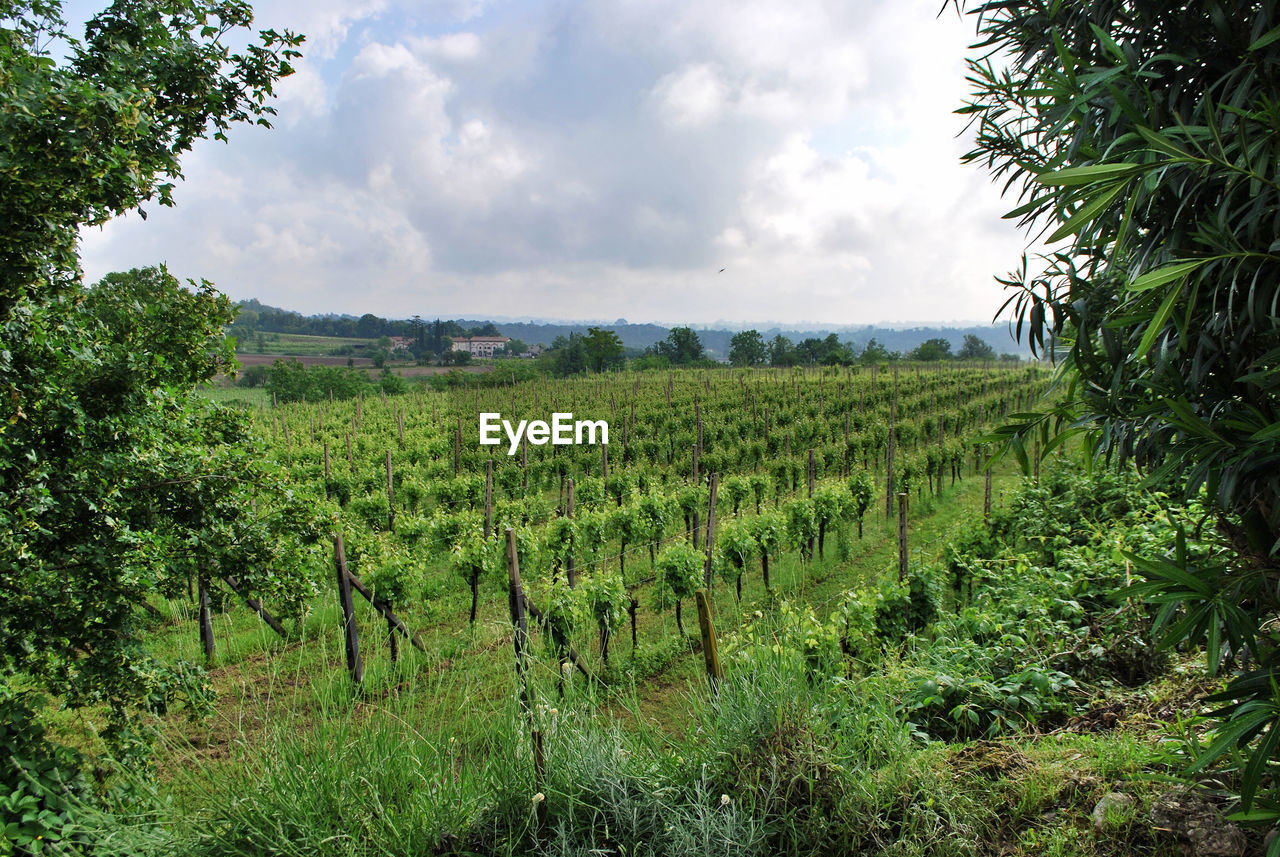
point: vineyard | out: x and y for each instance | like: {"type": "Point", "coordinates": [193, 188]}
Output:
{"type": "Point", "coordinates": [708, 477]}
{"type": "Point", "coordinates": [703, 636]}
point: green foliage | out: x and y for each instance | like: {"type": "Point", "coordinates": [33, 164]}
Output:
{"type": "Point", "coordinates": [747, 348]}
{"type": "Point", "coordinates": [563, 609]}
{"type": "Point", "coordinates": [679, 574]}
{"type": "Point", "coordinates": [931, 351]}
{"type": "Point", "coordinates": [292, 381]}
{"type": "Point", "coordinates": [1154, 158]}
{"type": "Point", "coordinates": [802, 524]}
{"type": "Point", "coordinates": [681, 347]}
{"type": "Point", "coordinates": [862, 490]}
{"type": "Point", "coordinates": [606, 600]}
{"type": "Point", "coordinates": [769, 530]}
{"type": "Point", "coordinates": [603, 350]}
{"type": "Point", "coordinates": [38, 783]}
{"type": "Point", "coordinates": [113, 469]}
{"type": "Point", "coordinates": [975, 349]}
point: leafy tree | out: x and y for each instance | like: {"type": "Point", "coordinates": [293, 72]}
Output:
{"type": "Point", "coordinates": [111, 470]}
{"type": "Point", "coordinates": [681, 346]}
{"type": "Point", "coordinates": [975, 349]}
{"type": "Point", "coordinates": [603, 350]}
{"type": "Point", "coordinates": [1145, 136]}
{"type": "Point", "coordinates": [748, 348]}
{"type": "Point", "coordinates": [370, 326]}
{"type": "Point", "coordinates": [517, 347]}
{"type": "Point", "coordinates": [875, 353]}
{"type": "Point", "coordinates": [454, 358]}
{"type": "Point", "coordinates": [782, 351]}
{"type": "Point", "coordinates": [931, 350]}
{"type": "Point", "coordinates": [566, 356]}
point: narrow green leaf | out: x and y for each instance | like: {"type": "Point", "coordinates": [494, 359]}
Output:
{"type": "Point", "coordinates": [1087, 213]}
{"type": "Point", "coordinates": [1162, 143]}
{"type": "Point", "coordinates": [1156, 325]}
{"type": "Point", "coordinates": [1160, 276]}
{"type": "Point", "coordinates": [1265, 39]}
{"type": "Point", "coordinates": [1087, 175]}
{"type": "Point", "coordinates": [1104, 39]}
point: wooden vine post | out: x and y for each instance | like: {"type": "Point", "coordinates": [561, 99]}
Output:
{"type": "Point", "coordinates": [326, 470]}
{"type": "Point", "coordinates": [570, 571]}
{"type": "Point", "coordinates": [902, 536]}
{"type": "Point", "coordinates": [391, 498]}
{"type": "Point", "coordinates": [457, 448]}
{"type": "Point", "coordinates": [488, 502]}
{"type": "Point", "coordinates": [206, 619]}
{"type": "Point", "coordinates": [520, 642]}
{"type": "Point", "coordinates": [812, 478]}
{"type": "Point", "coordinates": [711, 529]}
{"type": "Point", "coordinates": [710, 651]}
{"type": "Point", "coordinates": [350, 634]}
{"type": "Point", "coordinates": [697, 480]}
{"type": "Point", "coordinates": [986, 498]}
{"type": "Point", "coordinates": [893, 425]}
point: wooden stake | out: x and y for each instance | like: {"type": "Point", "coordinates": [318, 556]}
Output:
{"type": "Point", "coordinates": [350, 634]}
{"type": "Point", "coordinates": [902, 536]}
{"type": "Point", "coordinates": [206, 620]}
{"type": "Point", "coordinates": [457, 448]}
{"type": "Point", "coordinates": [488, 499]}
{"type": "Point", "coordinates": [391, 498]}
{"type": "Point", "coordinates": [570, 572]}
{"type": "Point", "coordinates": [711, 528]}
{"type": "Point", "coordinates": [696, 482]}
{"type": "Point", "coordinates": [710, 652]}
{"type": "Point", "coordinates": [519, 624]}
{"type": "Point", "coordinates": [986, 498]}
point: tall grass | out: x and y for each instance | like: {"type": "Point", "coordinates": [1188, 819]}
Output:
{"type": "Point", "coordinates": [776, 763]}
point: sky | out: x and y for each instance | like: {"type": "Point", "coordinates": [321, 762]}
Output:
{"type": "Point", "coordinates": [595, 161]}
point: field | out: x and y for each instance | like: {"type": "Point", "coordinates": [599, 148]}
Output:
{"type": "Point", "coordinates": [843, 656]}
{"type": "Point", "coordinates": [300, 344]}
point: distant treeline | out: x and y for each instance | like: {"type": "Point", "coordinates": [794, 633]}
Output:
{"type": "Point", "coordinates": [257, 317]}
{"type": "Point", "coordinates": [635, 338]}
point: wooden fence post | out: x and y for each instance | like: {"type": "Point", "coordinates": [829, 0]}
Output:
{"type": "Point", "coordinates": [710, 652]}
{"type": "Point", "coordinates": [571, 573]}
{"type": "Point", "coordinates": [206, 619]}
{"type": "Point", "coordinates": [711, 528]}
{"type": "Point", "coordinates": [902, 536]}
{"type": "Point", "coordinates": [520, 642]}
{"type": "Point", "coordinates": [391, 498]}
{"type": "Point", "coordinates": [520, 625]}
{"type": "Point", "coordinates": [986, 499]}
{"type": "Point", "coordinates": [350, 635]}
{"type": "Point", "coordinates": [488, 499]}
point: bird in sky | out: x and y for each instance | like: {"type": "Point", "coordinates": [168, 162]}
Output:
{"type": "Point", "coordinates": [721, 271]}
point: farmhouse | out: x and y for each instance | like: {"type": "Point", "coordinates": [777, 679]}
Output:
{"type": "Point", "coordinates": [481, 346]}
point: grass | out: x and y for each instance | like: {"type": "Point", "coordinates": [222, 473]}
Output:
{"type": "Point", "coordinates": [433, 755]}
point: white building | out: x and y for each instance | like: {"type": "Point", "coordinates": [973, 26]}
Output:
{"type": "Point", "coordinates": [481, 346]}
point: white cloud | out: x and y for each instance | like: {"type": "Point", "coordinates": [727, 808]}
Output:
{"type": "Point", "coordinates": [599, 160]}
